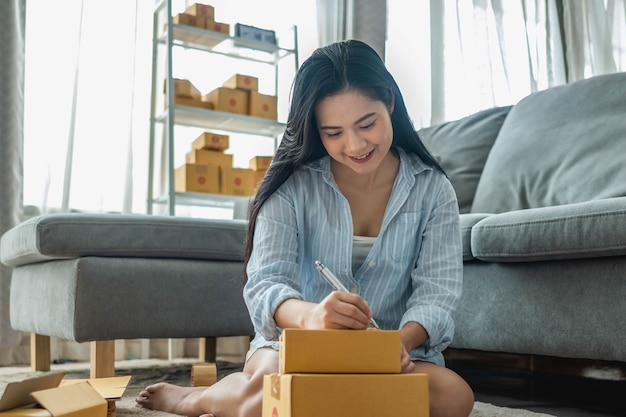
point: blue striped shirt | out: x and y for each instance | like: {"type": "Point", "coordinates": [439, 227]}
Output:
{"type": "Point", "coordinates": [413, 272]}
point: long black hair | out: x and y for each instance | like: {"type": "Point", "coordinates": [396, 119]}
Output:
{"type": "Point", "coordinates": [331, 69]}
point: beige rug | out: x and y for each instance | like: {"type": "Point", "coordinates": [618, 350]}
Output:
{"type": "Point", "coordinates": [146, 372]}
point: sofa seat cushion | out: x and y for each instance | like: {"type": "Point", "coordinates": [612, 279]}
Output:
{"type": "Point", "coordinates": [563, 145]}
{"type": "Point", "coordinates": [571, 231]}
{"type": "Point", "coordinates": [73, 235]}
{"type": "Point", "coordinates": [461, 147]}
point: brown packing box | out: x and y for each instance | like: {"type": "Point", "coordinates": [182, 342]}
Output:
{"type": "Point", "coordinates": [189, 20]}
{"type": "Point", "coordinates": [339, 351]}
{"type": "Point", "coordinates": [217, 27]}
{"type": "Point", "coordinates": [199, 9]}
{"type": "Point", "coordinates": [260, 163]}
{"type": "Point", "coordinates": [191, 102]}
{"type": "Point", "coordinates": [243, 82]}
{"type": "Point", "coordinates": [56, 397]}
{"type": "Point", "coordinates": [206, 157]}
{"type": "Point", "coordinates": [183, 88]}
{"type": "Point", "coordinates": [197, 178]}
{"type": "Point", "coordinates": [341, 395]}
{"type": "Point", "coordinates": [203, 374]}
{"type": "Point", "coordinates": [225, 99]}
{"type": "Point", "coordinates": [237, 181]}
{"type": "Point", "coordinates": [262, 105]}
{"type": "Point", "coordinates": [211, 141]}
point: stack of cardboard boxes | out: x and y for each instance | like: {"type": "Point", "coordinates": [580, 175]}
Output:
{"type": "Point", "coordinates": [209, 169]}
{"type": "Point", "coordinates": [201, 16]}
{"type": "Point", "coordinates": [338, 373]}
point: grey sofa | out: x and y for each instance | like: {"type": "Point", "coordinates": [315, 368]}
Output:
{"type": "Point", "coordinates": [541, 188]}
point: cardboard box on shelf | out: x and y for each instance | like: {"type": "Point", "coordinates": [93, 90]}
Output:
{"type": "Point", "coordinates": [230, 100]}
{"type": "Point", "coordinates": [197, 178]}
{"type": "Point", "coordinates": [199, 9]}
{"type": "Point", "coordinates": [191, 102]}
{"type": "Point", "coordinates": [243, 82]}
{"type": "Point", "coordinates": [211, 141]}
{"type": "Point", "coordinates": [340, 395]}
{"type": "Point", "coordinates": [260, 163]}
{"type": "Point", "coordinates": [189, 20]}
{"type": "Point", "coordinates": [263, 105]}
{"type": "Point", "coordinates": [183, 88]}
{"type": "Point", "coordinates": [220, 27]}
{"type": "Point", "coordinates": [50, 395]}
{"type": "Point", "coordinates": [339, 351]}
{"type": "Point", "coordinates": [208, 157]}
{"type": "Point", "coordinates": [237, 181]}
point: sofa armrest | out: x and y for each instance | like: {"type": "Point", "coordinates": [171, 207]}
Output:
{"type": "Point", "coordinates": [571, 231]}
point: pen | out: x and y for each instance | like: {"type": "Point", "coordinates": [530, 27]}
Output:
{"type": "Point", "coordinates": [334, 281]}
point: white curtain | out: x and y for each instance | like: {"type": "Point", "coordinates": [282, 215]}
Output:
{"type": "Point", "coordinates": [455, 57]}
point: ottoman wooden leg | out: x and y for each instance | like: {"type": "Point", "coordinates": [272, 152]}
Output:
{"type": "Point", "coordinates": [207, 349]}
{"type": "Point", "coordinates": [102, 359]}
{"type": "Point", "coordinates": [39, 352]}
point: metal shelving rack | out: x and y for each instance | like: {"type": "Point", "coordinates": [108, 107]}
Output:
{"type": "Point", "coordinates": [167, 35]}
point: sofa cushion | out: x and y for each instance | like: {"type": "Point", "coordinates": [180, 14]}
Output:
{"type": "Point", "coordinates": [462, 146]}
{"type": "Point", "coordinates": [467, 221]}
{"type": "Point", "coordinates": [563, 145]}
{"type": "Point", "coordinates": [570, 231]}
{"type": "Point", "coordinates": [73, 235]}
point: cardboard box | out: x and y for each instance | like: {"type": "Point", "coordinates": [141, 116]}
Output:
{"type": "Point", "coordinates": [203, 374]}
{"type": "Point", "coordinates": [183, 88]}
{"type": "Point", "coordinates": [211, 141]}
{"type": "Point", "coordinates": [339, 351]}
{"type": "Point", "coordinates": [198, 9]}
{"type": "Point", "coordinates": [341, 395]}
{"type": "Point", "coordinates": [260, 163]}
{"type": "Point", "coordinates": [225, 99]}
{"type": "Point", "coordinates": [262, 105]}
{"type": "Point", "coordinates": [237, 181]}
{"type": "Point", "coordinates": [189, 20]}
{"type": "Point", "coordinates": [197, 178]}
{"type": "Point", "coordinates": [50, 395]}
{"type": "Point", "coordinates": [208, 157]}
{"type": "Point", "coordinates": [191, 102]}
{"type": "Point", "coordinates": [220, 27]}
{"type": "Point", "coordinates": [243, 82]}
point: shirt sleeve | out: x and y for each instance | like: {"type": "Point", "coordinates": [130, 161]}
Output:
{"type": "Point", "coordinates": [437, 277]}
{"type": "Point", "coordinates": [272, 269]}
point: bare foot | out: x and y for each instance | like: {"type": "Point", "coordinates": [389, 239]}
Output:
{"type": "Point", "coordinates": [172, 399]}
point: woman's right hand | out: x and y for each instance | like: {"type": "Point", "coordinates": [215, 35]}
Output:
{"type": "Point", "coordinates": [340, 310]}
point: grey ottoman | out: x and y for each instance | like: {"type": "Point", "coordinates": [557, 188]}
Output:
{"type": "Point", "coordinates": [101, 277]}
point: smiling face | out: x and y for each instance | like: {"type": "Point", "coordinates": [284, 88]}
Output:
{"type": "Point", "coordinates": [355, 130]}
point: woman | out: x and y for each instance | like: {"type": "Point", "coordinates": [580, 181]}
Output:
{"type": "Point", "coordinates": [353, 186]}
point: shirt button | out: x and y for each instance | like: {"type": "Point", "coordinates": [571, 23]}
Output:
{"type": "Point", "coordinates": [371, 264]}
{"type": "Point", "coordinates": [353, 290]}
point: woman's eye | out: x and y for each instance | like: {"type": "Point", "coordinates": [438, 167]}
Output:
{"type": "Point", "coordinates": [369, 125]}
{"type": "Point", "coordinates": [333, 134]}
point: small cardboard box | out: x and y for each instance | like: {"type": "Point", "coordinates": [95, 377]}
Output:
{"type": "Point", "coordinates": [225, 99]}
{"type": "Point", "coordinates": [191, 102]}
{"type": "Point", "coordinates": [198, 9]}
{"type": "Point", "coordinates": [339, 351]}
{"type": "Point", "coordinates": [57, 398]}
{"type": "Point", "coordinates": [208, 157]}
{"type": "Point", "coordinates": [220, 27]}
{"type": "Point", "coordinates": [263, 105]}
{"type": "Point", "coordinates": [189, 20]}
{"type": "Point", "coordinates": [183, 88]}
{"type": "Point", "coordinates": [243, 82]}
{"type": "Point", "coordinates": [341, 395]}
{"type": "Point", "coordinates": [203, 374]}
{"type": "Point", "coordinates": [211, 141]}
{"type": "Point", "coordinates": [197, 178]}
{"type": "Point", "coordinates": [260, 163]}
{"type": "Point", "coordinates": [237, 181]}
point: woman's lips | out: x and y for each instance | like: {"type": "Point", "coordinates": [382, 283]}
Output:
{"type": "Point", "coordinates": [363, 158]}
